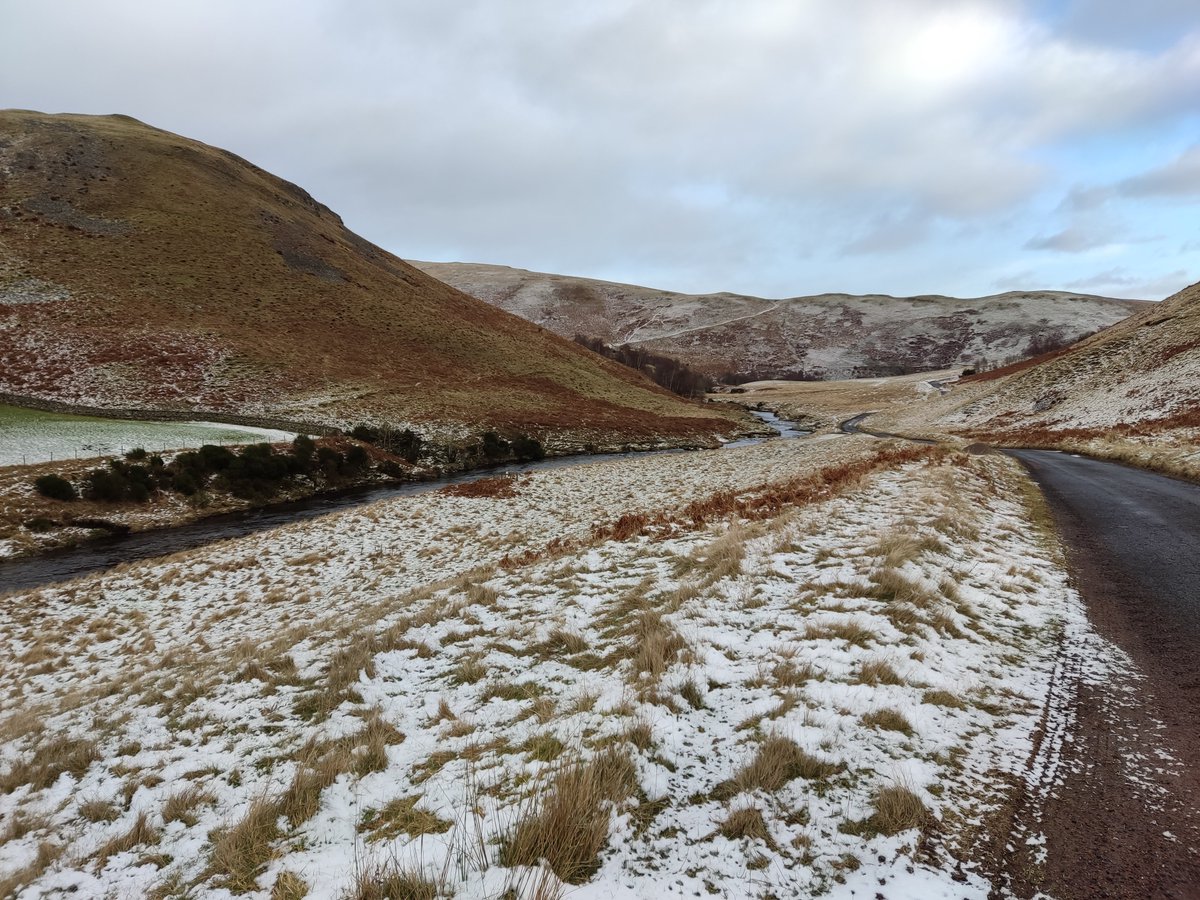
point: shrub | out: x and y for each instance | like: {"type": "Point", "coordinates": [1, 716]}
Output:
{"type": "Point", "coordinates": [137, 454]}
{"type": "Point", "coordinates": [55, 487]}
{"type": "Point", "coordinates": [525, 447]}
{"type": "Point", "coordinates": [494, 446]}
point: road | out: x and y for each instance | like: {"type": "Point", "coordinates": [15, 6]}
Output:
{"type": "Point", "coordinates": [854, 426]}
{"type": "Point", "coordinates": [1133, 544]}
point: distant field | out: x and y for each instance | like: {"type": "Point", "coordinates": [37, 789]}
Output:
{"type": "Point", "coordinates": [28, 435]}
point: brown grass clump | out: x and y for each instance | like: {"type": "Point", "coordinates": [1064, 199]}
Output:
{"type": "Point", "coordinates": [898, 548]}
{"type": "Point", "coordinates": [852, 632]}
{"type": "Point", "coordinates": [723, 557]}
{"type": "Point", "coordinates": [99, 811]}
{"type": "Point", "coordinates": [746, 822]}
{"type": "Point", "coordinates": [892, 586]}
{"type": "Point", "coordinates": [569, 827]}
{"type": "Point", "coordinates": [562, 641]}
{"type": "Point", "coordinates": [180, 806]}
{"type": "Point", "coordinates": [240, 852]}
{"type": "Point", "coordinates": [499, 487]}
{"type": "Point", "coordinates": [141, 832]}
{"type": "Point", "coordinates": [289, 886]}
{"type": "Point", "coordinates": [392, 882]}
{"type": "Point", "coordinates": [56, 756]}
{"type": "Point", "coordinates": [877, 671]}
{"type": "Point", "coordinates": [778, 761]}
{"type": "Point", "coordinates": [943, 698]}
{"type": "Point", "coordinates": [898, 809]}
{"type": "Point", "coordinates": [888, 720]}
{"type": "Point", "coordinates": [401, 816]}
{"type": "Point", "coordinates": [657, 645]}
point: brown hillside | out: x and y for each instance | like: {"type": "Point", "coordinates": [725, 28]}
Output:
{"type": "Point", "coordinates": [141, 269]}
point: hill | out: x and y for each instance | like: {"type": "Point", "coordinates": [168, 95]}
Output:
{"type": "Point", "coordinates": [143, 270]}
{"type": "Point", "coordinates": [825, 336]}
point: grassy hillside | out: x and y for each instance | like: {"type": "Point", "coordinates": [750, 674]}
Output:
{"type": "Point", "coordinates": [140, 269]}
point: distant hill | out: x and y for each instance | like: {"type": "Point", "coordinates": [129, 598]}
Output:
{"type": "Point", "coordinates": [140, 269]}
{"type": "Point", "coordinates": [825, 336]}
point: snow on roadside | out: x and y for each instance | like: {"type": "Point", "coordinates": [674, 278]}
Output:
{"type": "Point", "coordinates": [382, 665]}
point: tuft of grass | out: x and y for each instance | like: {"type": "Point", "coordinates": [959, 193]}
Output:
{"type": "Point", "coordinates": [897, 808]}
{"type": "Point", "coordinates": [690, 692]}
{"type": "Point", "coordinates": [657, 645]}
{"type": "Point", "coordinates": [898, 548]}
{"type": "Point", "coordinates": [512, 690]}
{"type": "Point", "coordinates": [96, 810]}
{"type": "Point", "coordinates": [401, 816]}
{"type": "Point", "coordinates": [778, 761]}
{"type": "Point", "coordinates": [569, 827]}
{"type": "Point", "coordinates": [57, 755]}
{"type": "Point", "coordinates": [180, 806]}
{"type": "Point", "coordinates": [562, 641]}
{"type": "Point", "coordinates": [391, 881]}
{"type": "Point", "coordinates": [895, 587]}
{"type": "Point", "coordinates": [851, 631]}
{"type": "Point", "coordinates": [543, 747]}
{"type": "Point", "coordinates": [289, 886]}
{"type": "Point", "coordinates": [723, 557]}
{"type": "Point", "coordinates": [746, 822]}
{"type": "Point", "coordinates": [141, 832]}
{"type": "Point", "coordinates": [943, 698]}
{"type": "Point", "coordinates": [468, 671]}
{"type": "Point", "coordinates": [240, 852]}
{"type": "Point", "coordinates": [877, 671]}
{"type": "Point", "coordinates": [888, 720]}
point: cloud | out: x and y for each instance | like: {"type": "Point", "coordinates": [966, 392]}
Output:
{"type": "Point", "coordinates": [699, 142]}
{"type": "Point", "coordinates": [1119, 282]}
{"type": "Point", "coordinates": [1178, 178]}
{"type": "Point", "coordinates": [1077, 238]}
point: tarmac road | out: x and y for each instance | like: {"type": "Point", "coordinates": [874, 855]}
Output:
{"type": "Point", "coordinates": [1133, 544]}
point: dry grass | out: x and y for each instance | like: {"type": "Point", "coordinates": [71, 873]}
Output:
{"type": "Point", "coordinates": [943, 698]}
{"type": "Point", "coordinates": [180, 806]}
{"type": "Point", "coordinates": [897, 808]}
{"type": "Point", "coordinates": [851, 631]}
{"type": "Point", "coordinates": [657, 645]}
{"type": "Point", "coordinates": [56, 756]}
{"type": "Point", "coordinates": [289, 886]}
{"type": "Point", "coordinates": [401, 816]}
{"type": "Point", "coordinates": [141, 832]}
{"type": "Point", "coordinates": [888, 720]}
{"type": "Point", "coordinates": [723, 557]}
{"type": "Point", "coordinates": [561, 641]}
{"type": "Point", "coordinates": [570, 826]}
{"type": "Point", "coordinates": [778, 761]}
{"type": "Point", "coordinates": [240, 852]}
{"type": "Point", "coordinates": [894, 587]}
{"type": "Point", "coordinates": [96, 810]}
{"type": "Point", "coordinates": [746, 822]}
{"type": "Point", "coordinates": [877, 671]}
{"type": "Point", "coordinates": [898, 547]}
{"type": "Point", "coordinates": [391, 881]}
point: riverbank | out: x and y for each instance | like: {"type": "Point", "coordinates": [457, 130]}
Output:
{"type": "Point", "coordinates": [31, 524]}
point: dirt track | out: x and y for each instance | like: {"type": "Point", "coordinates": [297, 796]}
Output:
{"type": "Point", "coordinates": [1133, 541]}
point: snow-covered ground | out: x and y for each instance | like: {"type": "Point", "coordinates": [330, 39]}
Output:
{"type": "Point", "coordinates": [753, 672]}
{"type": "Point", "coordinates": [32, 436]}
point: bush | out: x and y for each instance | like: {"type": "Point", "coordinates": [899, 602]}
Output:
{"type": "Point", "coordinates": [137, 454]}
{"type": "Point", "coordinates": [55, 487]}
{"type": "Point", "coordinates": [495, 447]}
{"type": "Point", "coordinates": [525, 447]}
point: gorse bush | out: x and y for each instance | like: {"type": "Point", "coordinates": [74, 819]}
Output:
{"type": "Point", "coordinates": [55, 487]}
{"type": "Point", "coordinates": [403, 443]}
{"type": "Point", "coordinates": [255, 472]}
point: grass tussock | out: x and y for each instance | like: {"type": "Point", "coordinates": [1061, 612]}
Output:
{"type": "Point", "coordinates": [56, 756]}
{"type": "Point", "coordinates": [570, 826]}
{"type": "Point", "coordinates": [289, 886]}
{"type": "Point", "coordinates": [181, 806]}
{"type": "Point", "coordinates": [657, 645]}
{"type": "Point", "coordinates": [888, 720]}
{"type": "Point", "coordinates": [778, 761]}
{"type": "Point", "coordinates": [851, 631]}
{"type": "Point", "coordinates": [877, 671]}
{"type": "Point", "coordinates": [391, 881]}
{"type": "Point", "coordinates": [897, 548]}
{"type": "Point", "coordinates": [140, 833]}
{"type": "Point", "coordinates": [723, 557]}
{"type": "Point", "coordinates": [943, 698]}
{"type": "Point", "coordinates": [746, 822]}
{"type": "Point", "coordinates": [893, 586]}
{"type": "Point", "coordinates": [240, 852]}
{"type": "Point", "coordinates": [897, 808]}
{"type": "Point", "coordinates": [401, 816]}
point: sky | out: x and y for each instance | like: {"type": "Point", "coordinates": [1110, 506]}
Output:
{"type": "Point", "coordinates": [767, 147]}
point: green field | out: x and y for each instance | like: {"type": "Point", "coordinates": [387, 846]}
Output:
{"type": "Point", "coordinates": [29, 435]}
